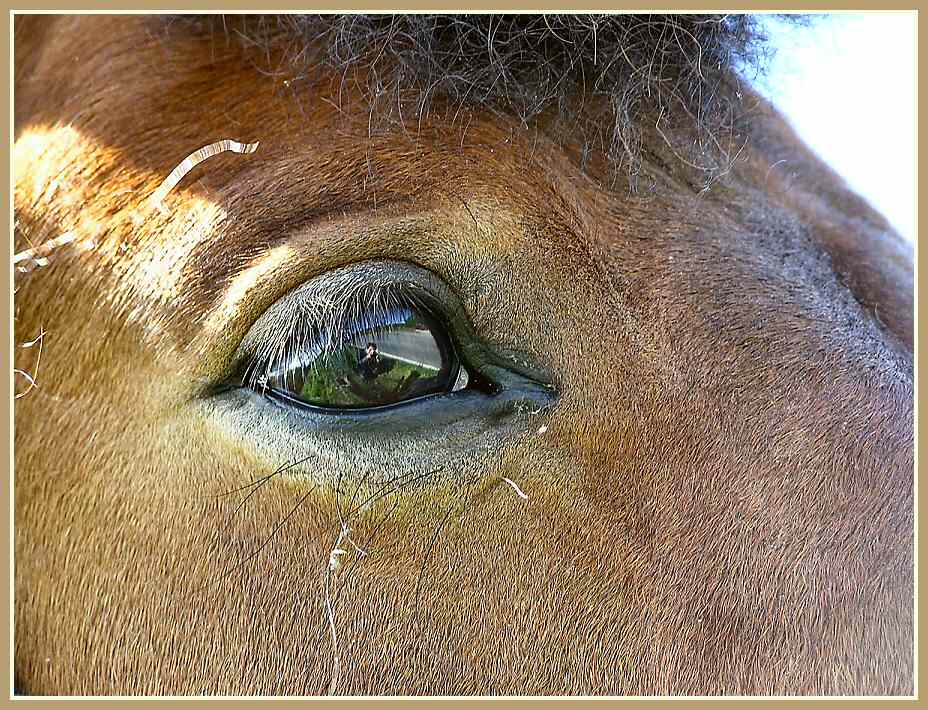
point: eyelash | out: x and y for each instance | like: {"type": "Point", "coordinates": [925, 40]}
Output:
{"type": "Point", "coordinates": [322, 329]}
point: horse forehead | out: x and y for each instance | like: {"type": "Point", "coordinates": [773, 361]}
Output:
{"type": "Point", "coordinates": [176, 98]}
{"type": "Point", "coordinates": [154, 101]}
{"type": "Point", "coordinates": [139, 134]}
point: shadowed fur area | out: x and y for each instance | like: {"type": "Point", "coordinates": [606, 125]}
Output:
{"type": "Point", "coordinates": [693, 471]}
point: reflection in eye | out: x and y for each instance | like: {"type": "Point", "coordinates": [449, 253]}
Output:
{"type": "Point", "coordinates": [389, 356]}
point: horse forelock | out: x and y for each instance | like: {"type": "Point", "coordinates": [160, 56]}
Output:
{"type": "Point", "coordinates": [602, 77]}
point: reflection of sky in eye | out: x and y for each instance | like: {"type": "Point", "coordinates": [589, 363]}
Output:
{"type": "Point", "coordinates": [412, 343]}
{"type": "Point", "coordinates": [415, 346]}
{"type": "Point", "coordinates": [397, 332]}
{"type": "Point", "coordinates": [369, 327]}
{"type": "Point", "coordinates": [375, 322]}
{"type": "Point", "coordinates": [847, 85]}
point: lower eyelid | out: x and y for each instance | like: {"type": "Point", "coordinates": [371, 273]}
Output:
{"type": "Point", "coordinates": [435, 433]}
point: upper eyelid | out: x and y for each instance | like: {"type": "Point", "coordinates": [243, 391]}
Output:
{"type": "Point", "coordinates": [309, 247]}
{"type": "Point", "coordinates": [232, 289]}
{"type": "Point", "coordinates": [323, 305]}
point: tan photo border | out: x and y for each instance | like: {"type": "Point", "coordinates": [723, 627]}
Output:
{"type": "Point", "coordinates": [442, 5]}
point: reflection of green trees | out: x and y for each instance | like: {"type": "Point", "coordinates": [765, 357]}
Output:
{"type": "Point", "coordinates": [336, 381]}
{"type": "Point", "coordinates": [324, 381]}
{"type": "Point", "coordinates": [320, 388]}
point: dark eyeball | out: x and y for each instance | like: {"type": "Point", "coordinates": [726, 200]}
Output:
{"type": "Point", "coordinates": [390, 356]}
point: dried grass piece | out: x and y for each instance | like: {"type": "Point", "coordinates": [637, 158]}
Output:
{"type": "Point", "coordinates": [37, 256]}
{"type": "Point", "coordinates": [517, 489]}
{"type": "Point", "coordinates": [30, 378]}
{"type": "Point", "coordinates": [194, 159]}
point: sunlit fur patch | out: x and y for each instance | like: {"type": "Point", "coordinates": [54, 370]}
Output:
{"type": "Point", "coordinates": [121, 232]}
{"type": "Point", "coordinates": [52, 168]}
{"type": "Point", "coordinates": [38, 156]}
{"type": "Point", "coordinates": [57, 173]}
{"type": "Point", "coordinates": [244, 285]}
{"type": "Point", "coordinates": [160, 262]}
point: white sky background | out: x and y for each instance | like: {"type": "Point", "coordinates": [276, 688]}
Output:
{"type": "Point", "coordinates": [847, 85]}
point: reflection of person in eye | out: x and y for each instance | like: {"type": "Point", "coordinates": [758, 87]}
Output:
{"type": "Point", "coordinates": [371, 365]}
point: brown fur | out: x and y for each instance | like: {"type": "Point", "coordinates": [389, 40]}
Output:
{"type": "Point", "coordinates": [721, 502]}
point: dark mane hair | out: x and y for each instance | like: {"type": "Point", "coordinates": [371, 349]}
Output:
{"type": "Point", "coordinates": [597, 76]}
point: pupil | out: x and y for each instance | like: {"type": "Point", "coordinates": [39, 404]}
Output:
{"type": "Point", "coordinates": [402, 355]}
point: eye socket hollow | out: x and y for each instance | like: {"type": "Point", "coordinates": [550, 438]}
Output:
{"type": "Point", "coordinates": [387, 357]}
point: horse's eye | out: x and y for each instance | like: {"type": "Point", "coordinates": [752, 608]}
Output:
{"type": "Point", "coordinates": [383, 357]}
